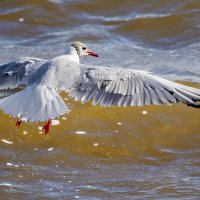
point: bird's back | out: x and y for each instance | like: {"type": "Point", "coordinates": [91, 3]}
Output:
{"type": "Point", "coordinates": [60, 73]}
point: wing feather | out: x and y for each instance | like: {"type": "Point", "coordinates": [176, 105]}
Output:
{"type": "Point", "coordinates": [123, 87]}
{"type": "Point", "coordinates": [16, 73]}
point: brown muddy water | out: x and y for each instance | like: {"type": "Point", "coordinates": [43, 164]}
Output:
{"type": "Point", "coordinates": [149, 152]}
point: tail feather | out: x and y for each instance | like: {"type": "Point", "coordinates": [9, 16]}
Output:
{"type": "Point", "coordinates": [34, 103]}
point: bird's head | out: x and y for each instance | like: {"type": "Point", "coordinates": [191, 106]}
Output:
{"type": "Point", "coordinates": [82, 50]}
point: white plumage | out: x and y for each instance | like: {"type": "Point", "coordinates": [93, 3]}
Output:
{"type": "Point", "coordinates": [40, 100]}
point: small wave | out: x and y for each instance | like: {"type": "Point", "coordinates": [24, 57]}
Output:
{"type": "Point", "coordinates": [10, 11]}
{"type": "Point", "coordinates": [124, 18]}
{"type": "Point", "coordinates": [6, 184]}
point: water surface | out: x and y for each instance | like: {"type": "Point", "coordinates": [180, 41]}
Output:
{"type": "Point", "coordinates": [149, 152]}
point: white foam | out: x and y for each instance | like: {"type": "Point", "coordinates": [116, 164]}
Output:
{"type": "Point", "coordinates": [96, 144]}
{"type": "Point", "coordinates": [9, 164]}
{"type": "Point", "coordinates": [144, 112]}
{"type": "Point", "coordinates": [25, 132]}
{"type": "Point", "coordinates": [55, 122]}
{"type": "Point", "coordinates": [80, 132]}
{"type": "Point", "coordinates": [50, 149]}
{"type": "Point", "coordinates": [6, 141]}
{"type": "Point", "coordinates": [21, 19]}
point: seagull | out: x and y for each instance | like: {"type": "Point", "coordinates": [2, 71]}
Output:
{"type": "Point", "coordinates": [40, 100]}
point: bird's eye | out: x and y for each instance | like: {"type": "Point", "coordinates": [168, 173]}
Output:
{"type": "Point", "coordinates": [83, 48]}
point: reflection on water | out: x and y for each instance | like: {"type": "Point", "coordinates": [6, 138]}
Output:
{"type": "Point", "coordinates": [149, 152]}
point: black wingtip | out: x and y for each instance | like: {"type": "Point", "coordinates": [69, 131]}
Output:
{"type": "Point", "coordinates": [194, 105]}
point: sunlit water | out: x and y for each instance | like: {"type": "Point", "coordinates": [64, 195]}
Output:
{"type": "Point", "coordinates": [149, 152]}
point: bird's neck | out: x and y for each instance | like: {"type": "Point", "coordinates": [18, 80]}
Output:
{"type": "Point", "coordinates": [73, 53]}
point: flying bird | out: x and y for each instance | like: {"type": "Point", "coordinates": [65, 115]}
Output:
{"type": "Point", "coordinates": [45, 79]}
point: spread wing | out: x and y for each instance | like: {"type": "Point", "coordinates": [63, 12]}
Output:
{"type": "Point", "coordinates": [40, 100]}
{"type": "Point", "coordinates": [123, 87]}
{"type": "Point", "coordinates": [16, 73]}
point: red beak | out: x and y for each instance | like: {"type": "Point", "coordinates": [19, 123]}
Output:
{"type": "Point", "coordinates": [92, 53]}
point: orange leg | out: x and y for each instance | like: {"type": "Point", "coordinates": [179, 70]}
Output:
{"type": "Point", "coordinates": [18, 123]}
{"type": "Point", "coordinates": [46, 127]}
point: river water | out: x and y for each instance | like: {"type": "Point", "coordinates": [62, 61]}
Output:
{"type": "Point", "coordinates": [149, 152]}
